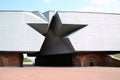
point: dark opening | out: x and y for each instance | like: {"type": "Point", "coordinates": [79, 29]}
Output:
{"type": "Point", "coordinates": [54, 60]}
{"type": "Point", "coordinates": [91, 61]}
{"type": "Point", "coordinates": [91, 64]}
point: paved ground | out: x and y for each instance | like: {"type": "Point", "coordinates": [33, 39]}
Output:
{"type": "Point", "coordinates": [59, 73]}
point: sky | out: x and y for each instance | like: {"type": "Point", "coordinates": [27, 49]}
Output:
{"type": "Point", "coordinates": [108, 6]}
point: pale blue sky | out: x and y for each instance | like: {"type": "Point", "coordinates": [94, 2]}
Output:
{"type": "Point", "coordinates": [110, 6]}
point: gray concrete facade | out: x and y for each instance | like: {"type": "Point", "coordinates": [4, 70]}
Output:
{"type": "Point", "coordinates": [17, 33]}
{"type": "Point", "coordinates": [71, 31]}
{"type": "Point", "coordinates": [59, 32]}
{"type": "Point", "coordinates": [68, 38]}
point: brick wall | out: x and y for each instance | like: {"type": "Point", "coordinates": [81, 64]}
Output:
{"type": "Point", "coordinates": [89, 59]}
{"type": "Point", "coordinates": [99, 59]}
{"type": "Point", "coordinates": [112, 62]}
{"type": "Point", "coordinates": [10, 59]}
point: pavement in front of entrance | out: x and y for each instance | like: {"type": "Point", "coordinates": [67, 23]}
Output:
{"type": "Point", "coordinates": [59, 73]}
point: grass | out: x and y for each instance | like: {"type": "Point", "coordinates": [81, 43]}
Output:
{"type": "Point", "coordinates": [117, 55]}
{"type": "Point", "coordinates": [27, 60]}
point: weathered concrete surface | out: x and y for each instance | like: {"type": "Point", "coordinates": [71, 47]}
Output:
{"type": "Point", "coordinates": [10, 59]}
{"type": "Point", "coordinates": [59, 73]}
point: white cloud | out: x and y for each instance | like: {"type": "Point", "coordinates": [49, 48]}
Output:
{"type": "Point", "coordinates": [91, 9]}
{"type": "Point", "coordinates": [104, 2]}
{"type": "Point", "coordinates": [47, 1]}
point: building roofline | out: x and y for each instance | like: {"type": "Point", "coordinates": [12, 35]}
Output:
{"type": "Point", "coordinates": [18, 11]}
{"type": "Point", "coordinates": [60, 11]}
{"type": "Point", "coordinates": [90, 12]}
{"type": "Point", "coordinates": [25, 10]}
{"type": "Point", "coordinates": [49, 11]}
{"type": "Point", "coordinates": [12, 11]}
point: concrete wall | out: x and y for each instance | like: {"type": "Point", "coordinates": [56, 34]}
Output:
{"type": "Point", "coordinates": [15, 31]}
{"type": "Point", "coordinates": [93, 37]}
